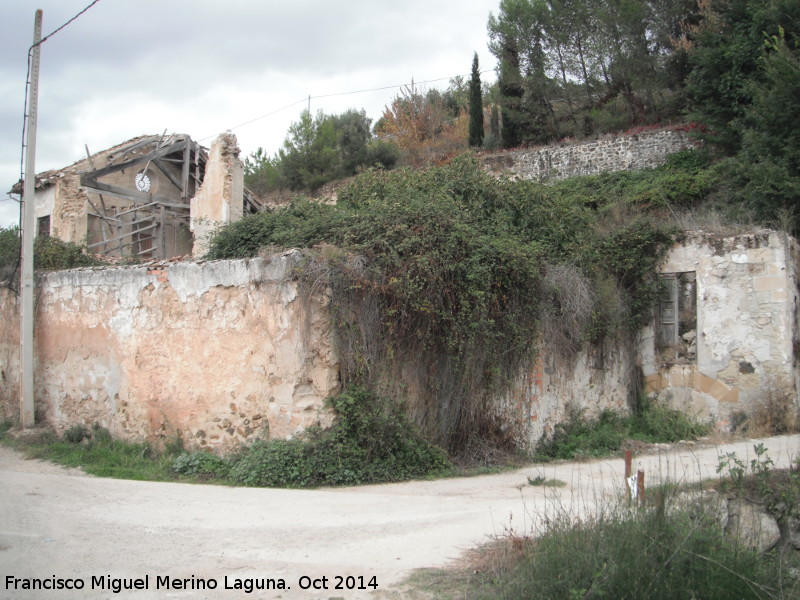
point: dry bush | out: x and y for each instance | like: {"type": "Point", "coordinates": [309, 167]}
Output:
{"type": "Point", "coordinates": [776, 414]}
{"type": "Point", "coordinates": [723, 222]}
{"type": "Point", "coordinates": [567, 309]}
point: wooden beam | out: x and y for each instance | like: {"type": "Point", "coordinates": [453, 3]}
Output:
{"type": "Point", "coordinates": [115, 190]}
{"type": "Point", "coordinates": [161, 167]}
{"type": "Point", "coordinates": [123, 152]}
{"type": "Point", "coordinates": [102, 200]}
{"type": "Point", "coordinates": [157, 153]}
{"type": "Point", "coordinates": [158, 146]}
{"type": "Point", "coordinates": [162, 241]}
{"type": "Point", "coordinates": [120, 237]}
{"type": "Point", "coordinates": [185, 168]}
{"type": "Point", "coordinates": [99, 216]}
{"type": "Point", "coordinates": [137, 208]}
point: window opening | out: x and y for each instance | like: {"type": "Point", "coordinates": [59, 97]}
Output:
{"type": "Point", "coordinates": [676, 324]}
{"type": "Point", "coordinates": [43, 226]}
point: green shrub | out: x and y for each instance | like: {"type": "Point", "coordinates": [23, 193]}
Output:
{"type": "Point", "coordinates": [200, 463]}
{"type": "Point", "coordinates": [9, 252]}
{"type": "Point", "coordinates": [581, 437]}
{"type": "Point", "coordinates": [51, 254]}
{"type": "Point", "coordinates": [658, 423]}
{"type": "Point", "coordinates": [370, 441]}
{"type": "Point", "coordinates": [101, 435]}
{"type": "Point", "coordinates": [76, 434]}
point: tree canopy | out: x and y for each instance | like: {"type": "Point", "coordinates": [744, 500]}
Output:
{"type": "Point", "coordinates": [317, 150]}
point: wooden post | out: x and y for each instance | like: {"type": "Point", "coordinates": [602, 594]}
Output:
{"type": "Point", "coordinates": [162, 236]}
{"type": "Point", "coordinates": [628, 471]}
{"type": "Point", "coordinates": [640, 486]}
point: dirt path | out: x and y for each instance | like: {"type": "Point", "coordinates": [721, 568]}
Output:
{"type": "Point", "coordinates": [60, 524]}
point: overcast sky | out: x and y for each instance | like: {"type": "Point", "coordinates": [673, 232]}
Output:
{"type": "Point", "coordinates": [202, 67]}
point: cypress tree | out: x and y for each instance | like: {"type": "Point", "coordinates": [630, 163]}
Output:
{"type": "Point", "coordinates": [475, 106]}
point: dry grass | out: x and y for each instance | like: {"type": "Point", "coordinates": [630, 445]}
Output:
{"type": "Point", "coordinates": [567, 309]}
{"type": "Point", "coordinates": [717, 221]}
{"type": "Point", "coordinates": [776, 414]}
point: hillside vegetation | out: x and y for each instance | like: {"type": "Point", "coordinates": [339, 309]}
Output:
{"type": "Point", "coordinates": [572, 70]}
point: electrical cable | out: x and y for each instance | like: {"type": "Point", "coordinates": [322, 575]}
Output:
{"type": "Point", "coordinates": [309, 98]}
{"type": "Point", "coordinates": [28, 85]}
{"type": "Point", "coordinates": [25, 110]}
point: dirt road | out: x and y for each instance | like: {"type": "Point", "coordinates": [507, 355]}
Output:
{"type": "Point", "coordinates": [173, 540]}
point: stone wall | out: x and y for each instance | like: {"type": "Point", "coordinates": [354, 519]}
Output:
{"type": "Point", "coordinates": [742, 348]}
{"type": "Point", "coordinates": [222, 352]}
{"type": "Point", "coordinates": [216, 352]}
{"type": "Point", "coordinates": [596, 379]}
{"type": "Point", "coordinates": [609, 153]}
{"type": "Point", "coordinates": [219, 199]}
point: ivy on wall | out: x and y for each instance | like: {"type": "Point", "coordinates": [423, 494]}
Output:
{"type": "Point", "coordinates": [441, 277]}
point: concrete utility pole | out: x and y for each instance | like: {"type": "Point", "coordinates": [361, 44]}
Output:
{"type": "Point", "coordinates": [28, 232]}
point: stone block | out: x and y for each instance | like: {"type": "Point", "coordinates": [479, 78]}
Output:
{"type": "Point", "coordinates": [653, 383]}
{"type": "Point", "coordinates": [716, 389]}
{"type": "Point", "coordinates": [769, 283]}
{"type": "Point", "coordinates": [751, 524]}
{"type": "Point", "coordinates": [779, 297]}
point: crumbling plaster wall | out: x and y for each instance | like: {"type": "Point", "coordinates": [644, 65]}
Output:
{"type": "Point", "coordinates": [747, 326]}
{"type": "Point", "coordinates": [68, 219]}
{"type": "Point", "coordinates": [221, 352]}
{"type": "Point", "coordinates": [219, 199]}
{"type": "Point", "coordinates": [217, 352]}
{"type": "Point", "coordinates": [597, 378]}
{"type": "Point", "coordinates": [609, 153]}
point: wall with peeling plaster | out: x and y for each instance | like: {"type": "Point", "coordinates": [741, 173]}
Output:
{"type": "Point", "coordinates": [747, 326]}
{"type": "Point", "coordinates": [554, 386]}
{"type": "Point", "coordinates": [216, 352]}
{"type": "Point", "coordinates": [218, 201]}
{"type": "Point", "coordinates": [222, 352]}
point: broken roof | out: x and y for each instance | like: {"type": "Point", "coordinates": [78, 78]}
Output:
{"type": "Point", "coordinates": [138, 149]}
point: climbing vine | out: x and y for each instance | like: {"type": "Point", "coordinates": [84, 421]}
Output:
{"type": "Point", "coordinates": [440, 277]}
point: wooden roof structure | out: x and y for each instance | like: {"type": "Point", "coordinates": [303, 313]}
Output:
{"type": "Point", "coordinates": [156, 151]}
{"type": "Point", "coordinates": [133, 218]}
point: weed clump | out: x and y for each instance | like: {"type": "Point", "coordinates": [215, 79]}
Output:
{"type": "Point", "coordinates": [660, 553]}
{"type": "Point", "coordinates": [201, 464]}
{"type": "Point", "coordinates": [582, 437]}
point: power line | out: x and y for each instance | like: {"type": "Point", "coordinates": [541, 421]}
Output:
{"type": "Point", "coordinates": [25, 116]}
{"type": "Point", "coordinates": [49, 35]}
{"type": "Point", "coordinates": [28, 85]}
{"type": "Point", "coordinates": [309, 98]}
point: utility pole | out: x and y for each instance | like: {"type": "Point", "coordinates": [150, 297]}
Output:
{"type": "Point", "coordinates": [28, 231]}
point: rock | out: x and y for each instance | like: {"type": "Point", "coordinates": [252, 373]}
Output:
{"type": "Point", "coordinates": [751, 524]}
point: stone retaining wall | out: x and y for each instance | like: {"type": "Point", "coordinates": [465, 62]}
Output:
{"type": "Point", "coordinates": [609, 153]}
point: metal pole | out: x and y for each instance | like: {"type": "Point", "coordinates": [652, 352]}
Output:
{"type": "Point", "coordinates": [28, 228]}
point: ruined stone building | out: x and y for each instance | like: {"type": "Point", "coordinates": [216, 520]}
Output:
{"type": "Point", "coordinates": [155, 196]}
